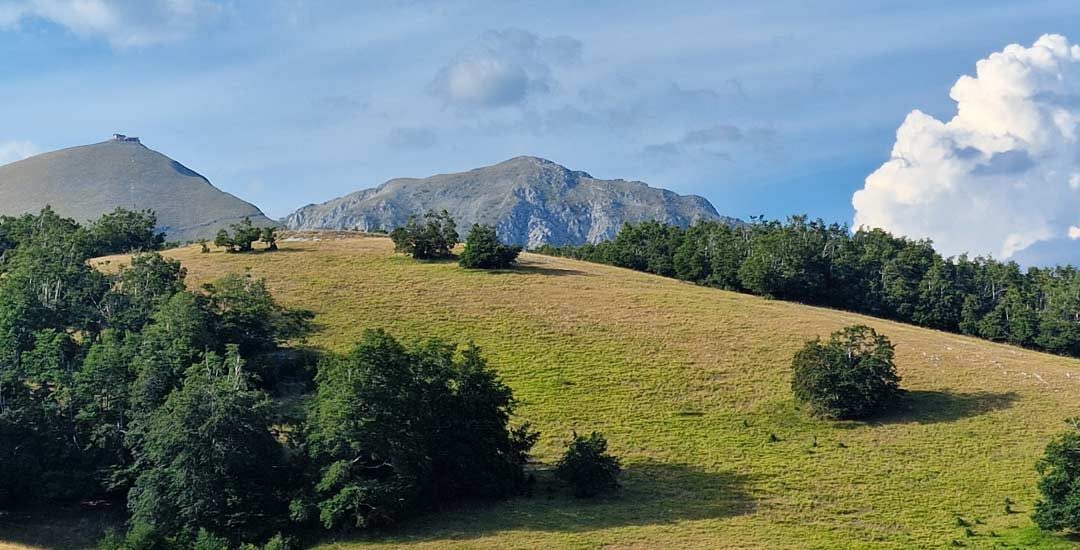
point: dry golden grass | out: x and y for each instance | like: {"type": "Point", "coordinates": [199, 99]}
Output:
{"type": "Point", "coordinates": [688, 384]}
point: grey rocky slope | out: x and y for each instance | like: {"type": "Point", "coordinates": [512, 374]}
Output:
{"type": "Point", "coordinates": [85, 182]}
{"type": "Point", "coordinates": [530, 201]}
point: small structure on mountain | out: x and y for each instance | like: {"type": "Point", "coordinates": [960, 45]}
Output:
{"type": "Point", "coordinates": [125, 139]}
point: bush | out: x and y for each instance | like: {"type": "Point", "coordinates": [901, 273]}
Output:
{"type": "Point", "coordinates": [483, 250]}
{"type": "Point", "coordinates": [431, 239]}
{"type": "Point", "coordinates": [1059, 482]}
{"type": "Point", "coordinates": [851, 376]}
{"type": "Point", "coordinates": [587, 467]}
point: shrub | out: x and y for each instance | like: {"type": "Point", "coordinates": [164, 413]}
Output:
{"type": "Point", "coordinates": [431, 239]}
{"type": "Point", "coordinates": [1059, 482]}
{"type": "Point", "coordinates": [483, 250]}
{"type": "Point", "coordinates": [587, 467]}
{"type": "Point", "coordinates": [851, 376]}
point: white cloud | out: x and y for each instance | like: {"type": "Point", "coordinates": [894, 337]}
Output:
{"type": "Point", "coordinates": [1074, 232]}
{"type": "Point", "coordinates": [11, 151]}
{"type": "Point", "coordinates": [503, 68]}
{"type": "Point", "coordinates": [123, 23]}
{"type": "Point", "coordinates": [1001, 175]}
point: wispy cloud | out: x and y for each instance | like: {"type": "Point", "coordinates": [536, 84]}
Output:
{"type": "Point", "coordinates": [123, 23]}
{"type": "Point", "coordinates": [11, 151]}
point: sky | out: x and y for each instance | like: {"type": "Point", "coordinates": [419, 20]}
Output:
{"type": "Point", "coordinates": [764, 108]}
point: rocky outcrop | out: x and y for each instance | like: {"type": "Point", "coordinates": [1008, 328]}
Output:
{"type": "Point", "coordinates": [530, 201]}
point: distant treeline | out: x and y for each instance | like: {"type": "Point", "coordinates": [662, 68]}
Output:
{"type": "Point", "coordinates": [869, 271]}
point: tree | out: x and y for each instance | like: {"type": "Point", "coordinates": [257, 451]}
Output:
{"type": "Point", "coordinates": [269, 236]}
{"type": "Point", "coordinates": [122, 231]}
{"type": "Point", "coordinates": [587, 466]}
{"type": "Point", "coordinates": [102, 391]}
{"type": "Point", "coordinates": [483, 250]}
{"type": "Point", "coordinates": [394, 431]}
{"type": "Point", "coordinates": [432, 239]}
{"type": "Point", "coordinates": [210, 460]}
{"type": "Point", "coordinates": [139, 289]}
{"type": "Point", "coordinates": [851, 376]}
{"type": "Point", "coordinates": [247, 315]}
{"type": "Point", "coordinates": [243, 236]}
{"type": "Point", "coordinates": [1059, 482]}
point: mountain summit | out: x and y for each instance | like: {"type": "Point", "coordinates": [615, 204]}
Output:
{"type": "Point", "coordinates": [85, 182]}
{"type": "Point", "coordinates": [531, 201]}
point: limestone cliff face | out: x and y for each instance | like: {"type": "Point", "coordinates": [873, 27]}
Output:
{"type": "Point", "coordinates": [85, 182]}
{"type": "Point", "coordinates": [530, 201]}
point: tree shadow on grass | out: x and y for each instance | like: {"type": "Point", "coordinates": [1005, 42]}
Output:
{"type": "Point", "coordinates": [651, 494]}
{"type": "Point", "coordinates": [528, 269]}
{"type": "Point", "coordinates": [931, 407]}
{"type": "Point", "coordinates": [77, 526]}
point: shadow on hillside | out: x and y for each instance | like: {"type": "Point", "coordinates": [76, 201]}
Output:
{"type": "Point", "coordinates": [527, 269]}
{"type": "Point", "coordinates": [931, 407]}
{"type": "Point", "coordinates": [652, 494]}
{"type": "Point", "coordinates": [61, 528]}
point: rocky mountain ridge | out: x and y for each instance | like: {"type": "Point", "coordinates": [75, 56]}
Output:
{"type": "Point", "coordinates": [531, 201]}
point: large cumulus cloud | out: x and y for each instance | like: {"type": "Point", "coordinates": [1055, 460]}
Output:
{"type": "Point", "coordinates": [1000, 176]}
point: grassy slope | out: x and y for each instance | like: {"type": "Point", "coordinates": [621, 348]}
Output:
{"type": "Point", "coordinates": [688, 383]}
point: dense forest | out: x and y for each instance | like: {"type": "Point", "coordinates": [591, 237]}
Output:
{"type": "Point", "coordinates": [203, 414]}
{"type": "Point", "coordinates": [867, 271]}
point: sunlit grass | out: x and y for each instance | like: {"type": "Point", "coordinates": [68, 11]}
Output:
{"type": "Point", "coordinates": [691, 385]}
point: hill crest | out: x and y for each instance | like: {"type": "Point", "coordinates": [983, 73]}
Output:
{"type": "Point", "coordinates": [86, 181]}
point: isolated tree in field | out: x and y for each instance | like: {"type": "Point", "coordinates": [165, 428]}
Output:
{"type": "Point", "coordinates": [1059, 482]}
{"type": "Point", "coordinates": [587, 467]}
{"type": "Point", "coordinates": [851, 376]}
{"type": "Point", "coordinates": [242, 238]}
{"type": "Point", "coordinates": [430, 239]}
{"type": "Point", "coordinates": [483, 250]}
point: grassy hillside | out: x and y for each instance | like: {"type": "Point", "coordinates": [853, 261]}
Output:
{"type": "Point", "coordinates": [689, 383]}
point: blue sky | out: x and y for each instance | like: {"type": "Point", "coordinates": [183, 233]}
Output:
{"type": "Point", "coordinates": [767, 108]}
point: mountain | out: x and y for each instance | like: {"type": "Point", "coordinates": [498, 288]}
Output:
{"type": "Point", "coordinates": [531, 201]}
{"type": "Point", "coordinates": [85, 182]}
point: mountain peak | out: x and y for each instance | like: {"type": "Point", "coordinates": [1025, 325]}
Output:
{"type": "Point", "coordinates": [526, 162]}
{"type": "Point", "coordinates": [530, 200]}
{"type": "Point", "coordinates": [87, 181]}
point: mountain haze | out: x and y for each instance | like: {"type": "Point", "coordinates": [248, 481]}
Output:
{"type": "Point", "coordinates": [87, 181]}
{"type": "Point", "coordinates": [531, 201]}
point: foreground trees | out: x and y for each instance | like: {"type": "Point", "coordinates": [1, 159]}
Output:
{"type": "Point", "coordinates": [483, 250]}
{"type": "Point", "coordinates": [208, 459]}
{"type": "Point", "coordinates": [849, 377]}
{"type": "Point", "coordinates": [395, 431]}
{"type": "Point", "coordinates": [1059, 482]}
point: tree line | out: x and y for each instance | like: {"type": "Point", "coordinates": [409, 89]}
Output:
{"type": "Point", "coordinates": [127, 386]}
{"type": "Point", "coordinates": [868, 271]}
